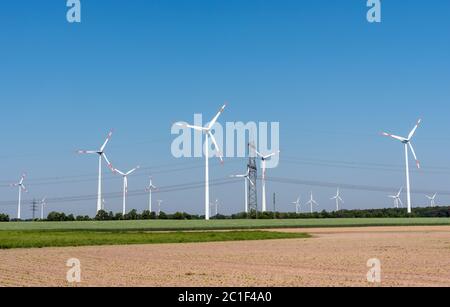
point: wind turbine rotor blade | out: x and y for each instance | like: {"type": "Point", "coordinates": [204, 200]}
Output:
{"type": "Point", "coordinates": [414, 154]}
{"type": "Point", "coordinates": [213, 139]}
{"type": "Point", "coordinates": [399, 138]}
{"type": "Point", "coordinates": [251, 182]}
{"type": "Point", "coordinates": [413, 131]}
{"type": "Point", "coordinates": [108, 138]}
{"type": "Point", "coordinates": [238, 176]}
{"type": "Point", "coordinates": [86, 152]}
{"type": "Point", "coordinates": [115, 170]}
{"type": "Point", "coordinates": [256, 150]}
{"type": "Point", "coordinates": [133, 170]}
{"type": "Point", "coordinates": [125, 179]}
{"type": "Point", "coordinates": [272, 155]}
{"type": "Point", "coordinates": [109, 163]}
{"type": "Point", "coordinates": [214, 120]}
{"type": "Point", "coordinates": [269, 156]}
{"type": "Point", "coordinates": [185, 125]}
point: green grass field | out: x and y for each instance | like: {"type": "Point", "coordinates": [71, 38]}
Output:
{"type": "Point", "coordinates": [50, 238]}
{"type": "Point", "coordinates": [171, 225]}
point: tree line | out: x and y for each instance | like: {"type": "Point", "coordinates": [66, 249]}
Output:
{"type": "Point", "coordinates": [147, 215]}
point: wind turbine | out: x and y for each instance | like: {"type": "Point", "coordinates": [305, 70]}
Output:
{"type": "Point", "coordinates": [125, 186]}
{"type": "Point", "coordinates": [207, 131]}
{"type": "Point", "coordinates": [407, 143]}
{"type": "Point", "coordinates": [246, 180]}
{"type": "Point", "coordinates": [338, 199]}
{"type": "Point", "coordinates": [150, 189]}
{"type": "Point", "coordinates": [432, 200]}
{"type": "Point", "coordinates": [216, 205]}
{"type": "Point", "coordinates": [312, 202]}
{"type": "Point", "coordinates": [21, 187]}
{"type": "Point", "coordinates": [159, 206]}
{"type": "Point", "coordinates": [298, 206]}
{"type": "Point", "coordinates": [43, 203]}
{"type": "Point", "coordinates": [397, 199]}
{"type": "Point", "coordinates": [264, 158]}
{"type": "Point", "coordinates": [101, 154]}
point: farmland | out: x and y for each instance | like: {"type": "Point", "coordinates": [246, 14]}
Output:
{"type": "Point", "coordinates": [410, 256]}
{"type": "Point", "coordinates": [180, 225]}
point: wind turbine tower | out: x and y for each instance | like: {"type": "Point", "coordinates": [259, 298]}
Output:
{"type": "Point", "coordinates": [406, 141]}
{"type": "Point", "coordinates": [22, 188]}
{"type": "Point", "coordinates": [338, 199]}
{"type": "Point", "coordinates": [150, 189]}
{"type": "Point", "coordinates": [432, 200]}
{"type": "Point", "coordinates": [43, 203]}
{"type": "Point", "coordinates": [206, 130]}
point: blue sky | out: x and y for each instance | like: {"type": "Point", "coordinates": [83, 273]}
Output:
{"type": "Point", "coordinates": [330, 78]}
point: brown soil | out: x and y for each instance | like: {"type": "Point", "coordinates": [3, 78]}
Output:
{"type": "Point", "coordinates": [410, 256]}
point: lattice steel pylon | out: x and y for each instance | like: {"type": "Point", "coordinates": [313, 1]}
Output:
{"type": "Point", "coordinates": [253, 176]}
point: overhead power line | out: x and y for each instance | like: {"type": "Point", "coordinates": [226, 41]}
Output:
{"type": "Point", "coordinates": [229, 181]}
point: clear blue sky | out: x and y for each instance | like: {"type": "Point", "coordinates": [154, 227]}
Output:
{"type": "Point", "coordinates": [330, 78]}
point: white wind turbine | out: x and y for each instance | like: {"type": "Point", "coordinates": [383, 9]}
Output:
{"type": "Point", "coordinates": [432, 200]}
{"type": "Point", "coordinates": [207, 131]}
{"type": "Point", "coordinates": [159, 206]}
{"type": "Point", "coordinates": [150, 189]}
{"type": "Point", "coordinates": [246, 180]}
{"type": "Point", "coordinates": [22, 188]}
{"type": "Point", "coordinates": [312, 202]}
{"type": "Point", "coordinates": [125, 185]}
{"type": "Point", "coordinates": [298, 206]}
{"type": "Point", "coordinates": [43, 203]}
{"type": "Point", "coordinates": [397, 199]}
{"type": "Point", "coordinates": [216, 205]}
{"type": "Point", "coordinates": [264, 158]}
{"type": "Point", "coordinates": [407, 143]}
{"type": "Point", "coordinates": [338, 199]}
{"type": "Point", "coordinates": [101, 154]}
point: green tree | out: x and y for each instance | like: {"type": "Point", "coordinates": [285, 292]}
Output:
{"type": "Point", "coordinates": [102, 215]}
{"type": "Point", "coordinates": [132, 215]}
{"type": "Point", "coordinates": [4, 218]}
{"type": "Point", "coordinates": [162, 216]}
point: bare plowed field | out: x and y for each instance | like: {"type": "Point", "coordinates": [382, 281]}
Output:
{"type": "Point", "coordinates": [410, 256]}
